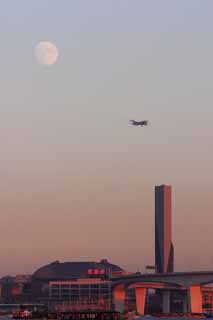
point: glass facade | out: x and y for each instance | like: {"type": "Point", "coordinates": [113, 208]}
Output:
{"type": "Point", "coordinates": [81, 293]}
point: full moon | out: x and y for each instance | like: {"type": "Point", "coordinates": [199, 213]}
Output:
{"type": "Point", "coordinates": [46, 53]}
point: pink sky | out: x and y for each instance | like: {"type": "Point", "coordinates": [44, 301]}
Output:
{"type": "Point", "coordinates": [77, 183]}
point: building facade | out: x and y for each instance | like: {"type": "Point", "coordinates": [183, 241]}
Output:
{"type": "Point", "coordinates": [82, 294]}
{"type": "Point", "coordinates": [164, 252]}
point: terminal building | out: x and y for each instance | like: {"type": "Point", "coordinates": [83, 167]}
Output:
{"type": "Point", "coordinates": [75, 284]}
{"type": "Point", "coordinates": [82, 293]}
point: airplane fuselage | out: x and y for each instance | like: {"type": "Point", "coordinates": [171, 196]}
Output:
{"type": "Point", "coordinates": [139, 123]}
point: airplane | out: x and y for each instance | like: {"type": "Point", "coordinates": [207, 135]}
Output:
{"type": "Point", "coordinates": [138, 123]}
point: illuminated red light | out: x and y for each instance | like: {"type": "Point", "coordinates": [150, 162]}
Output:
{"type": "Point", "coordinates": [96, 271]}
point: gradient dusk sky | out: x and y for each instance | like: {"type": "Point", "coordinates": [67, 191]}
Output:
{"type": "Point", "coordinates": [77, 182]}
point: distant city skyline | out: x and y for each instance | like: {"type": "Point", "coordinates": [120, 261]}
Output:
{"type": "Point", "coordinates": [76, 180]}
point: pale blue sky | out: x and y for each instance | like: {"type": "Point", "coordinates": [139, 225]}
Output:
{"type": "Point", "coordinates": [70, 164]}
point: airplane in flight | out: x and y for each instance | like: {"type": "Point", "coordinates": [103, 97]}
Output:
{"type": "Point", "coordinates": [138, 123]}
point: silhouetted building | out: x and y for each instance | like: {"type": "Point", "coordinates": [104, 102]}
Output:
{"type": "Point", "coordinates": [72, 270]}
{"type": "Point", "coordinates": [69, 271]}
{"type": "Point", "coordinates": [164, 252]}
{"type": "Point", "coordinates": [86, 282]}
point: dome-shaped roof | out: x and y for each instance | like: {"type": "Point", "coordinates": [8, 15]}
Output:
{"type": "Point", "coordinates": [71, 270]}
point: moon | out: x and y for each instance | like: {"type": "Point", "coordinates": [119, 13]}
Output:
{"type": "Point", "coordinates": [46, 53]}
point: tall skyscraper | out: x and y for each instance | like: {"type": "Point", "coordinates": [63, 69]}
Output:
{"type": "Point", "coordinates": [164, 252]}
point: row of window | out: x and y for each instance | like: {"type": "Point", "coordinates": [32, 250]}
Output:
{"type": "Point", "coordinates": [77, 297]}
{"type": "Point", "coordinates": [82, 301]}
{"type": "Point", "coordinates": [81, 289]}
{"type": "Point", "coordinates": [81, 295]}
{"type": "Point", "coordinates": [87, 294]}
{"type": "Point", "coordinates": [80, 286]}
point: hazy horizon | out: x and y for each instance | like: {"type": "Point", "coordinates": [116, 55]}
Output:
{"type": "Point", "coordinates": [77, 182]}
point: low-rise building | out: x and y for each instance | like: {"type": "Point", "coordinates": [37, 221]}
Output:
{"type": "Point", "coordinates": [82, 293]}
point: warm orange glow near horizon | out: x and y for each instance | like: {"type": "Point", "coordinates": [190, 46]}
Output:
{"type": "Point", "coordinates": [76, 181]}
